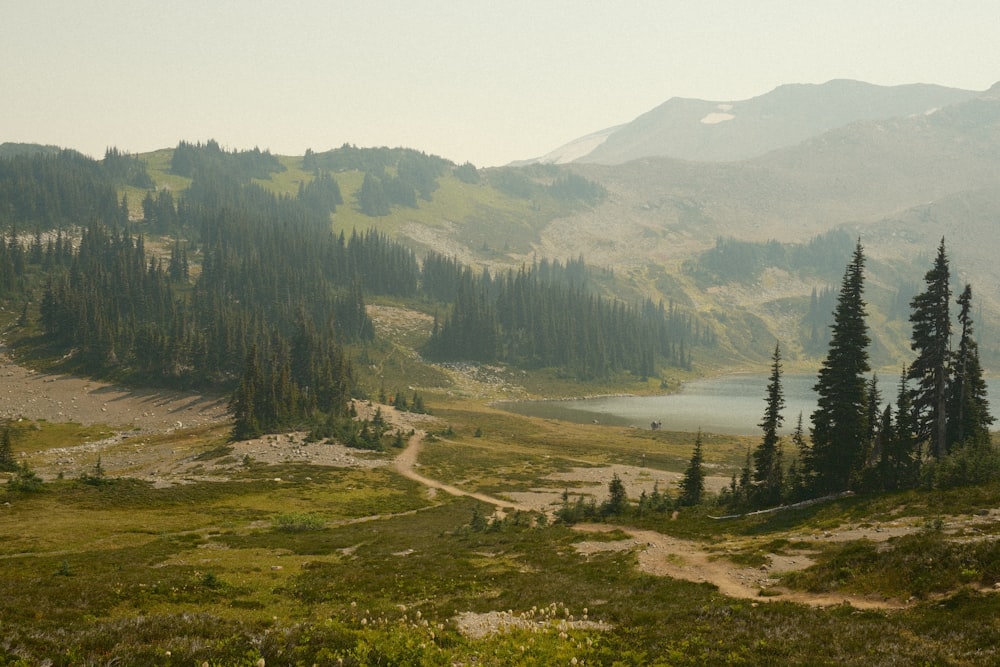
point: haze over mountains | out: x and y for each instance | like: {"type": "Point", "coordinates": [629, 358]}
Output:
{"type": "Point", "coordinates": [725, 131]}
{"type": "Point", "coordinates": [898, 167]}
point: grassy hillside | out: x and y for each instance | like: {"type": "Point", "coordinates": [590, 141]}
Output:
{"type": "Point", "coordinates": [504, 221]}
{"type": "Point", "coordinates": [898, 185]}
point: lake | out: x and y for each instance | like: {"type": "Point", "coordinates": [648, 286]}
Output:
{"type": "Point", "coordinates": [731, 404]}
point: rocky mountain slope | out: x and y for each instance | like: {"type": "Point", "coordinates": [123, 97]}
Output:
{"type": "Point", "coordinates": [899, 184]}
{"type": "Point", "coordinates": [726, 131]}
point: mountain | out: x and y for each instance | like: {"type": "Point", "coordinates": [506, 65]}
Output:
{"type": "Point", "coordinates": [899, 184]}
{"type": "Point", "coordinates": [661, 227]}
{"type": "Point", "coordinates": [717, 131]}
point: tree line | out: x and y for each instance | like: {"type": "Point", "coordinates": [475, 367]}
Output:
{"type": "Point", "coordinates": [522, 319]}
{"type": "Point", "coordinates": [189, 159]}
{"type": "Point", "coordinates": [43, 191]}
{"type": "Point", "coordinates": [935, 432]}
{"type": "Point", "coordinates": [732, 260]}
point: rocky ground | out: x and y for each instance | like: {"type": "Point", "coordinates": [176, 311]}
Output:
{"type": "Point", "coordinates": [62, 398]}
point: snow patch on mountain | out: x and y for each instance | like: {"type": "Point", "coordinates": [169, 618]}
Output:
{"type": "Point", "coordinates": [574, 150]}
{"type": "Point", "coordinates": [716, 117]}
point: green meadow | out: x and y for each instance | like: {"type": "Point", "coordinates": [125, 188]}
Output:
{"type": "Point", "coordinates": [298, 564]}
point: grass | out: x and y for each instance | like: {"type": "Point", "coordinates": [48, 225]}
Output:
{"type": "Point", "coordinates": [219, 579]}
{"type": "Point", "coordinates": [913, 566]}
{"type": "Point", "coordinates": [363, 566]}
{"type": "Point", "coordinates": [35, 436]}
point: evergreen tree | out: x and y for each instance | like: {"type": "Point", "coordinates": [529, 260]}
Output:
{"type": "Point", "coordinates": [969, 417]}
{"type": "Point", "coordinates": [467, 173]}
{"type": "Point", "coordinates": [873, 401]}
{"type": "Point", "coordinates": [931, 340]}
{"type": "Point", "coordinates": [617, 501]}
{"type": "Point", "coordinates": [372, 198]}
{"type": "Point", "coordinates": [798, 481]}
{"type": "Point", "coordinates": [743, 484]}
{"type": "Point", "coordinates": [245, 403]}
{"type": "Point", "coordinates": [839, 421]}
{"type": "Point", "coordinates": [899, 455]}
{"type": "Point", "coordinates": [7, 461]}
{"type": "Point", "coordinates": [693, 482]}
{"type": "Point", "coordinates": [178, 268]}
{"type": "Point", "coordinates": [768, 471]}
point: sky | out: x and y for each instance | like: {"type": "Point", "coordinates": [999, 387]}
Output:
{"type": "Point", "coordinates": [469, 80]}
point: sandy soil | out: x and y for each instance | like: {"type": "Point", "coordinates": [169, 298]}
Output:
{"type": "Point", "coordinates": [130, 453]}
{"type": "Point", "coordinates": [62, 398]}
{"type": "Point", "coordinates": [666, 556]}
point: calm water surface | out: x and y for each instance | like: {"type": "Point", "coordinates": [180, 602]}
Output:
{"type": "Point", "coordinates": [732, 404]}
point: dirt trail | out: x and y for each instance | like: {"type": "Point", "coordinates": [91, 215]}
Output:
{"type": "Point", "coordinates": [662, 555]}
{"type": "Point", "coordinates": [406, 463]}
{"type": "Point", "coordinates": [666, 556]}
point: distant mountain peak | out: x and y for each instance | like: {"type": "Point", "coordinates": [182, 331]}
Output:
{"type": "Point", "coordinates": [729, 131]}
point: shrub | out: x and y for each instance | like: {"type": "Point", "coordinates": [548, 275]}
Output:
{"type": "Point", "coordinates": [967, 466]}
{"type": "Point", "coordinates": [294, 522]}
{"type": "Point", "coordinates": [25, 479]}
{"type": "Point", "coordinates": [97, 477]}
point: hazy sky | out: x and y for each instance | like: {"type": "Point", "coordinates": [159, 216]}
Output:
{"type": "Point", "coordinates": [487, 82]}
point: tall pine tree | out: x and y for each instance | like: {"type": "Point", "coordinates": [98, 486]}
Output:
{"type": "Point", "coordinates": [7, 461]}
{"type": "Point", "coordinates": [693, 482]}
{"type": "Point", "coordinates": [931, 341]}
{"type": "Point", "coordinates": [840, 420]}
{"type": "Point", "coordinates": [768, 471]}
{"type": "Point", "coordinates": [969, 417]}
{"type": "Point", "coordinates": [899, 457]}
{"type": "Point", "coordinates": [246, 400]}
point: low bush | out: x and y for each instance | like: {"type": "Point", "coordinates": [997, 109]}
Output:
{"type": "Point", "coordinates": [294, 522]}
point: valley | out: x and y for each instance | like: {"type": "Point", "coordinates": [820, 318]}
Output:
{"type": "Point", "coordinates": [251, 402]}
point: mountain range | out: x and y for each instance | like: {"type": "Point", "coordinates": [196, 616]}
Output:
{"type": "Point", "coordinates": [726, 131]}
{"type": "Point", "coordinates": [898, 168]}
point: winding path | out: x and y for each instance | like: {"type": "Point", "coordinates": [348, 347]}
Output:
{"type": "Point", "coordinates": [659, 554]}
{"type": "Point", "coordinates": [405, 464]}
